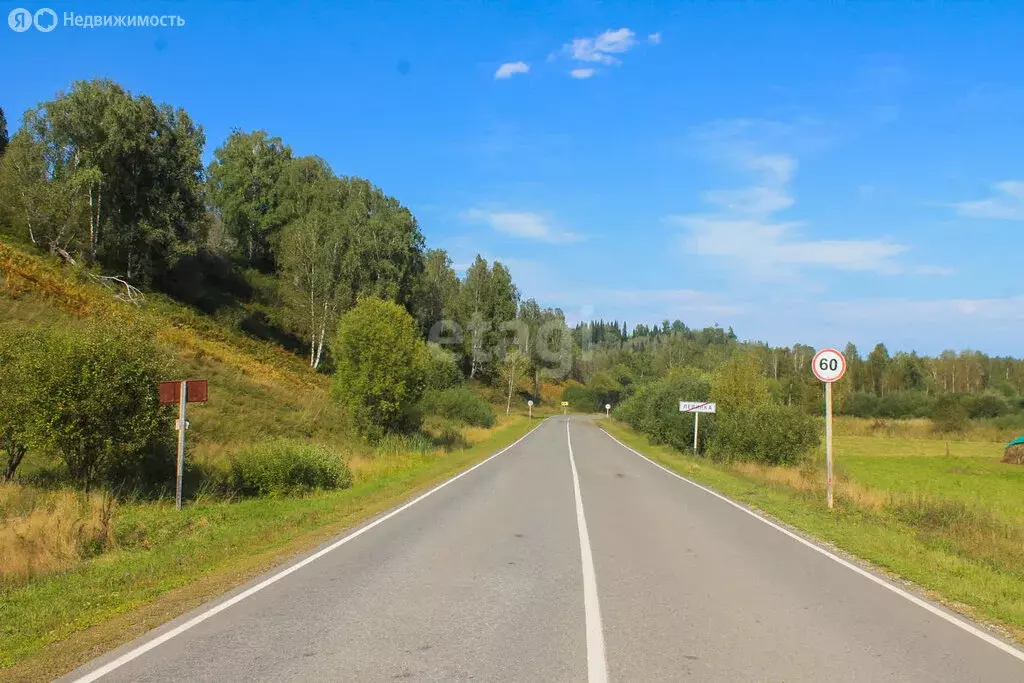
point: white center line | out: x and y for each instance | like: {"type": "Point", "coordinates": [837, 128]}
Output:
{"type": "Point", "coordinates": [597, 666]}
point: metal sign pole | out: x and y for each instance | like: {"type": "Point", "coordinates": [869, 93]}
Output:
{"type": "Point", "coordinates": [828, 440]}
{"type": "Point", "coordinates": [696, 423]}
{"type": "Point", "coordinates": [181, 442]}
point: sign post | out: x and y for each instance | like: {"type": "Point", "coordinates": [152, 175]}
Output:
{"type": "Point", "coordinates": [530, 405]}
{"type": "Point", "coordinates": [607, 409]}
{"type": "Point", "coordinates": [565, 404]}
{"type": "Point", "coordinates": [828, 366]}
{"type": "Point", "coordinates": [182, 392]}
{"type": "Point", "coordinates": [696, 407]}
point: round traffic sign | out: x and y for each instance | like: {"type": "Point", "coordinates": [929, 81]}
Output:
{"type": "Point", "coordinates": [829, 365]}
{"type": "Point", "coordinates": [530, 402]}
{"type": "Point", "coordinates": [607, 406]}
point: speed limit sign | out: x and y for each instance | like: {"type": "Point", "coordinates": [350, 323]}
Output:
{"type": "Point", "coordinates": [829, 365]}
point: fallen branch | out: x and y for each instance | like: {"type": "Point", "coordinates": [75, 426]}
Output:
{"type": "Point", "coordinates": [132, 294]}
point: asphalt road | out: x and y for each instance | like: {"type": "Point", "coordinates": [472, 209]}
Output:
{"type": "Point", "coordinates": [566, 558]}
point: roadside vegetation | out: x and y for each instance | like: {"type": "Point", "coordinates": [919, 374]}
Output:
{"type": "Point", "coordinates": [349, 365]}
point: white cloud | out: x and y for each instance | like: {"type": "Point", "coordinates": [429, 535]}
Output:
{"type": "Point", "coordinates": [742, 227]}
{"type": "Point", "coordinates": [934, 270]}
{"type": "Point", "coordinates": [654, 38]}
{"type": "Point", "coordinates": [603, 47]}
{"type": "Point", "coordinates": [522, 224]}
{"type": "Point", "coordinates": [582, 73]}
{"type": "Point", "coordinates": [1007, 204]}
{"type": "Point", "coordinates": [509, 69]}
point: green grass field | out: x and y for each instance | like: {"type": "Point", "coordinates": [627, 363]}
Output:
{"type": "Point", "coordinates": [971, 473]}
{"type": "Point", "coordinates": [954, 526]}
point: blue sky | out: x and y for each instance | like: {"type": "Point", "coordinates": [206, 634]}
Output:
{"type": "Point", "coordinates": [803, 172]}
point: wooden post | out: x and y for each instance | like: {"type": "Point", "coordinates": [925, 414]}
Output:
{"type": "Point", "coordinates": [181, 442]}
{"type": "Point", "coordinates": [828, 440]}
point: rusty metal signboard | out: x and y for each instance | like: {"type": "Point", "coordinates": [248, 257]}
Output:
{"type": "Point", "coordinates": [170, 392]}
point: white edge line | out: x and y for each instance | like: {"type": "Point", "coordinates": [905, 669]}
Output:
{"type": "Point", "coordinates": [597, 663]}
{"type": "Point", "coordinates": [960, 623]}
{"type": "Point", "coordinates": [199, 618]}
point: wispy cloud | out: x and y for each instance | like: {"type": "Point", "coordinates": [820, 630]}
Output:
{"type": "Point", "coordinates": [606, 48]}
{"type": "Point", "coordinates": [523, 224]}
{"type": "Point", "coordinates": [603, 47]}
{"type": "Point", "coordinates": [742, 227]}
{"type": "Point", "coordinates": [510, 69]}
{"type": "Point", "coordinates": [1006, 204]}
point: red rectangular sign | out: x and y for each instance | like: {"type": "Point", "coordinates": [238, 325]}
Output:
{"type": "Point", "coordinates": [195, 392]}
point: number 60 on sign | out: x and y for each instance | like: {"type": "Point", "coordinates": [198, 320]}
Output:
{"type": "Point", "coordinates": [829, 365]}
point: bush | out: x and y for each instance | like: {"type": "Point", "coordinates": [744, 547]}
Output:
{"type": "Point", "coordinates": [285, 467]}
{"type": "Point", "coordinates": [95, 403]}
{"type": "Point", "coordinates": [581, 399]}
{"type": "Point", "coordinates": [381, 367]}
{"type": "Point", "coordinates": [860, 404]}
{"type": "Point", "coordinates": [770, 434]}
{"type": "Point", "coordinates": [654, 409]}
{"type": "Point", "coordinates": [949, 415]}
{"type": "Point", "coordinates": [442, 368]}
{"type": "Point", "coordinates": [905, 404]}
{"type": "Point", "coordinates": [459, 403]}
{"type": "Point", "coordinates": [986, 406]}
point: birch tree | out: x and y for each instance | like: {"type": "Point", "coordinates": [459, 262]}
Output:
{"type": "Point", "coordinates": [512, 368]}
{"type": "Point", "coordinates": [314, 254]}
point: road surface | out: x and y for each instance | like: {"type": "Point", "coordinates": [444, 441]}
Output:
{"type": "Point", "coordinates": [568, 557]}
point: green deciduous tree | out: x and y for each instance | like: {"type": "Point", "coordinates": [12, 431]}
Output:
{"type": "Point", "coordinates": [512, 368]}
{"type": "Point", "coordinates": [437, 291]}
{"type": "Point", "coordinates": [96, 401]}
{"type": "Point", "coordinates": [244, 190]}
{"type": "Point", "coordinates": [381, 367]}
{"type": "Point", "coordinates": [487, 305]}
{"type": "Point", "coordinates": [134, 164]}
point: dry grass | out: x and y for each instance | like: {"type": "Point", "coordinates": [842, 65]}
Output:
{"type": "Point", "coordinates": [42, 532]}
{"type": "Point", "coordinates": [810, 480]}
{"type": "Point", "coordinates": [920, 428]}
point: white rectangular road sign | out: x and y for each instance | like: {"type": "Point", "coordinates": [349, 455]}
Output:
{"type": "Point", "coordinates": [696, 407]}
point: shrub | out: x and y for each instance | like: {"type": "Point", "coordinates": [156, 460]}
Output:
{"type": "Point", "coordinates": [986, 406]}
{"type": "Point", "coordinates": [285, 467]}
{"type": "Point", "coordinates": [860, 404]}
{"type": "Point", "coordinates": [905, 404]}
{"type": "Point", "coordinates": [95, 403]}
{"type": "Point", "coordinates": [949, 415]}
{"type": "Point", "coordinates": [770, 434]}
{"type": "Point", "coordinates": [442, 368]}
{"type": "Point", "coordinates": [654, 409]}
{"type": "Point", "coordinates": [15, 397]}
{"type": "Point", "coordinates": [459, 403]}
{"type": "Point", "coordinates": [381, 367]}
{"type": "Point", "coordinates": [580, 398]}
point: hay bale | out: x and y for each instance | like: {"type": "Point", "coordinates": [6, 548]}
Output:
{"type": "Point", "coordinates": [1014, 454]}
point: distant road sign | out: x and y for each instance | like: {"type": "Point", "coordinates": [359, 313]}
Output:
{"type": "Point", "coordinates": [197, 391]}
{"type": "Point", "coordinates": [696, 407]}
{"type": "Point", "coordinates": [828, 365]}
{"type": "Point", "coordinates": [607, 406]}
{"type": "Point", "coordinates": [565, 403]}
{"type": "Point", "coordinates": [530, 402]}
